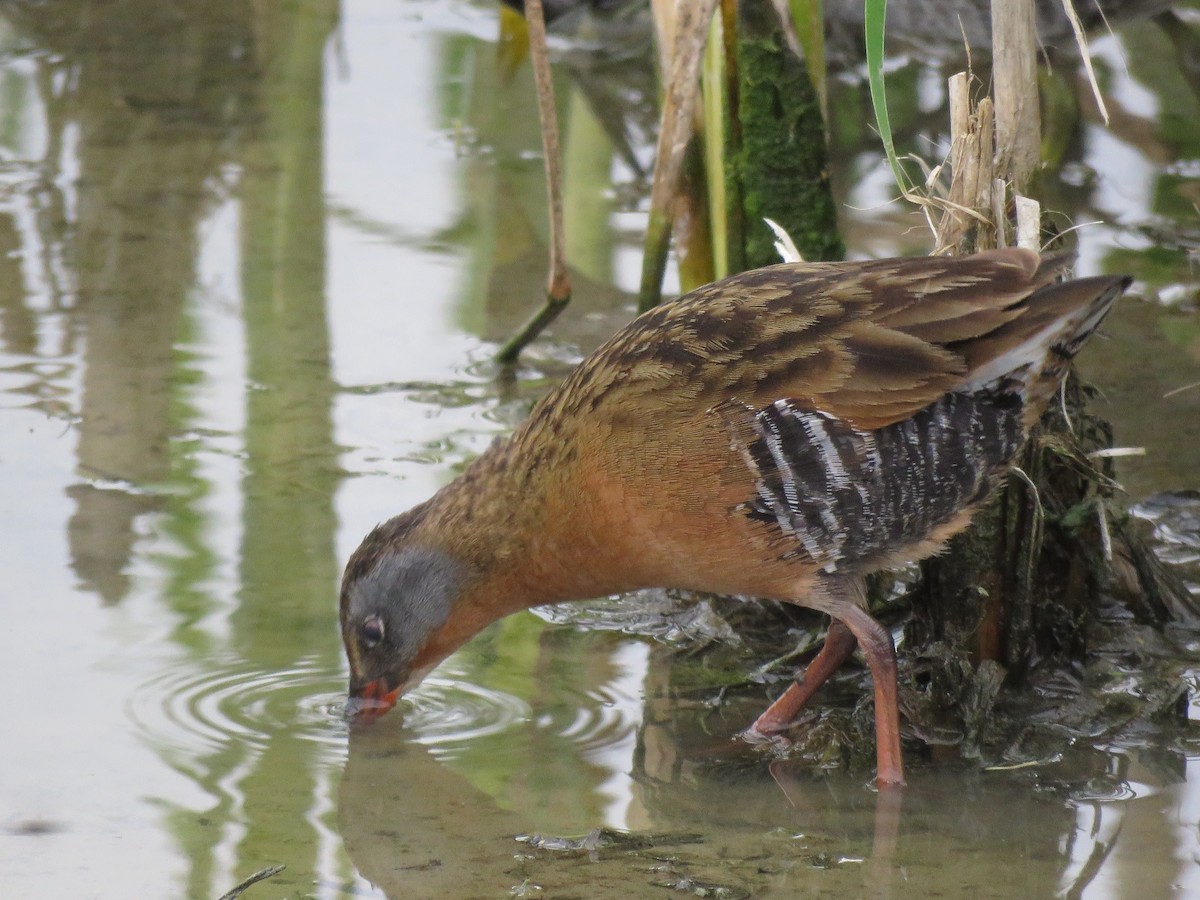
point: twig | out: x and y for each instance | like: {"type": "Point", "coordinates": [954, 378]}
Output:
{"type": "Point", "coordinates": [1180, 390]}
{"type": "Point", "coordinates": [1062, 406]}
{"type": "Point", "coordinates": [260, 875]}
{"type": "Point", "coordinates": [1081, 42]}
{"type": "Point", "coordinates": [1036, 527]}
{"type": "Point", "coordinates": [1114, 452]}
{"type": "Point", "coordinates": [558, 291]}
{"type": "Point", "coordinates": [1105, 534]}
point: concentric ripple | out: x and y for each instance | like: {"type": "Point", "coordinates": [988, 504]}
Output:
{"type": "Point", "coordinates": [449, 712]}
{"type": "Point", "coordinates": [200, 706]}
{"type": "Point", "coordinates": [1111, 789]}
{"type": "Point", "coordinates": [195, 706]}
{"type": "Point", "coordinates": [444, 711]}
{"type": "Point", "coordinates": [602, 721]}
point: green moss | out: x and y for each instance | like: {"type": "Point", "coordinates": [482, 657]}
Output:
{"type": "Point", "coordinates": [781, 165]}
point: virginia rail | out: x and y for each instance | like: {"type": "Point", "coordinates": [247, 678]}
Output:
{"type": "Point", "coordinates": [781, 433]}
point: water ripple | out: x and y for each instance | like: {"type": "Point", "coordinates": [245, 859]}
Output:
{"type": "Point", "coordinates": [190, 708]}
{"type": "Point", "coordinates": [1111, 789]}
{"type": "Point", "coordinates": [203, 706]}
{"type": "Point", "coordinates": [445, 711]}
{"type": "Point", "coordinates": [605, 718]}
{"type": "Point", "coordinates": [450, 712]}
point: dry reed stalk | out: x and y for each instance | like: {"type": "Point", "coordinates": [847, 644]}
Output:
{"type": "Point", "coordinates": [1014, 74]}
{"type": "Point", "coordinates": [679, 106]}
{"type": "Point", "coordinates": [965, 220]}
{"type": "Point", "coordinates": [558, 288]}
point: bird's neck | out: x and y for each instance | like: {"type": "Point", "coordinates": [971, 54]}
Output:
{"type": "Point", "coordinates": [521, 524]}
{"type": "Point", "coordinates": [519, 528]}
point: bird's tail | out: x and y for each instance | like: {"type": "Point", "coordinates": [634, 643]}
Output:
{"type": "Point", "coordinates": [1030, 354]}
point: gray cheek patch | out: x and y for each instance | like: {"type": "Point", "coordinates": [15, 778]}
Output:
{"type": "Point", "coordinates": [413, 591]}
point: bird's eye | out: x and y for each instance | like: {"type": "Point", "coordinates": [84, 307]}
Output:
{"type": "Point", "coordinates": [372, 631]}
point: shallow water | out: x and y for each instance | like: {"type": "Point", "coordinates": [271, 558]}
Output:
{"type": "Point", "coordinates": [256, 258]}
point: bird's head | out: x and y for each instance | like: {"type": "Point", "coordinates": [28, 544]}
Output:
{"type": "Point", "coordinates": [396, 601]}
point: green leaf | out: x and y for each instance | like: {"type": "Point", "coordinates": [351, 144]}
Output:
{"type": "Point", "coordinates": [875, 14]}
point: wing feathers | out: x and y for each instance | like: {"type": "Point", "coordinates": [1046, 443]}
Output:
{"type": "Point", "coordinates": [868, 342]}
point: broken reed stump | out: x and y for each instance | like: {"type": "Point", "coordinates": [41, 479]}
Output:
{"type": "Point", "coordinates": [1028, 581]}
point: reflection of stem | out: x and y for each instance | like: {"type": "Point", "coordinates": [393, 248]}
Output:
{"type": "Point", "coordinates": [286, 559]}
{"type": "Point", "coordinates": [1096, 859]}
{"type": "Point", "coordinates": [558, 292]}
{"type": "Point", "coordinates": [587, 167]}
{"type": "Point", "coordinates": [50, 211]}
{"type": "Point", "coordinates": [881, 870]}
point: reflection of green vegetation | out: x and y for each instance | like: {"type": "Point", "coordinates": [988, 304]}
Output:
{"type": "Point", "coordinates": [506, 655]}
{"type": "Point", "coordinates": [188, 571]}
{"type": "Point", "coordinates": [550, 668]}
{"type": "Point", "coordinates": [1162, 56]}
{"type": "Point", "coordinates": [501, 232]}
{"type": "Point", "coordinates": [1060, 116]}
{"type": "Point", "coordinates": [157, 101]}
{"type": "Point", "coordinates": [288, 566]}
{"type": "Point", "coordinates": [198, 837]}
{"type": "Point", "coordinates": [1183, 331]}
{"type": "Point", "coordinates": [1154, 62]}
{"type": "Point", "coordinates": [155, 123]}
{"type": "Point", "coordinates": [504, 215]}
{"type": "Point", "coordinates": [1175, 196]}
{"type": "Point", "coordinates": [13, 92]}
{"type": "Point", "coordinates": [587, 185]}
{"type": "Point", "coordinates": [851, 126]}
{"type": "Point", "coordinates": [847, 123]}
{"type": "Point", "coordinates": [1155, 265]}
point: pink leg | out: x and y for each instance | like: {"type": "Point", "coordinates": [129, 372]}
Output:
{"type": "Point", "coordinates": [877, 647]}
{"type": "Point", "coordinates": [839, 644]}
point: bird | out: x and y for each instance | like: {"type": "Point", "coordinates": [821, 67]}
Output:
{"type": "Point", "coordinates": [781, 433]}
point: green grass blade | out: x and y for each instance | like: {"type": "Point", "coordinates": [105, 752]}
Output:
{"type": "Point", "coordinates": [875, 16]}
